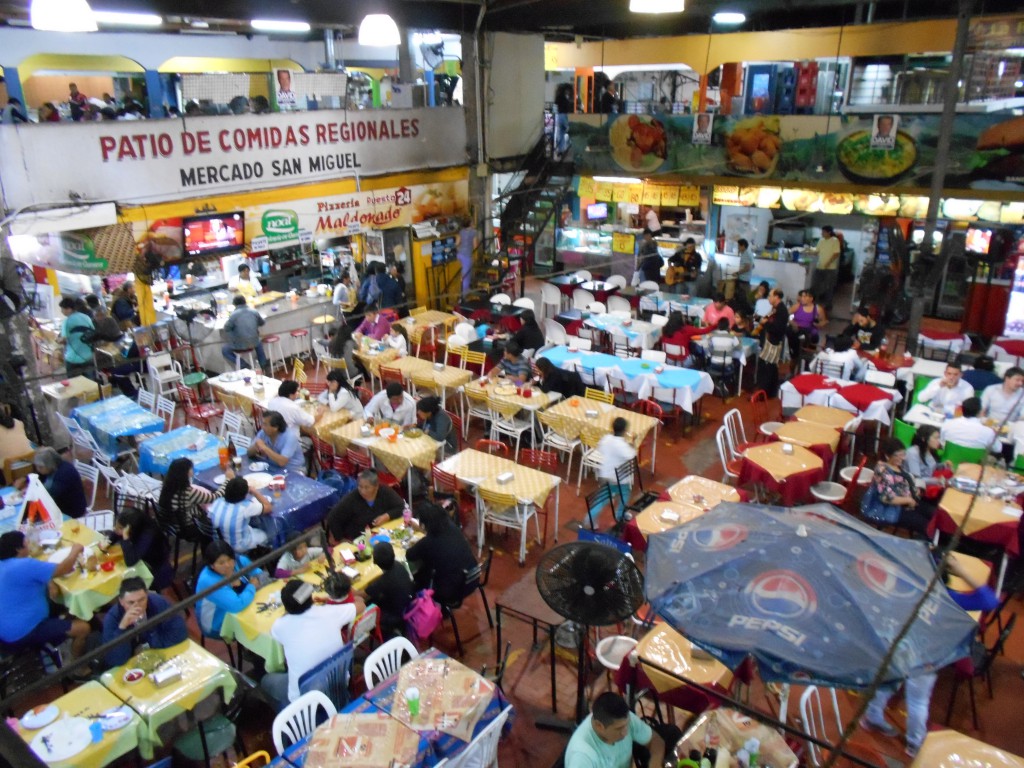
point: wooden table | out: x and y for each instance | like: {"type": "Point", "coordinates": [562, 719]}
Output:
{"type": "Point", "coordinates": [415, 324]}
{"type": "Point", "coordinates": [669, 649]}
{"type": "Point", "coordinates": [952, 749]}
{"type": "Point", "coordinates": [836, 418]}
{"type": "Point", "coordinates": [790, 474]}
{"type": "Point", "coordinates": [694, 485]}
{"type": "Point", "coordinates": [80, 706]}
{"type": "Point", "coordinates": [665, 515]}
{"type": "Point", "coordinates": [991, 521]}
{"type": "Point", "coordinates": [77, 388]}
{"type": "Point", "coordinates": [808, 433]}
{"type": "Point", "coordinates": [398, 456]}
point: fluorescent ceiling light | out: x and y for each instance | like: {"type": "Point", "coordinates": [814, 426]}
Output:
{"type": "Point", "coordinates": [117, 18]}
{"type": "Point", "coordinates": [729, 17]}
{"type": "Point", "coordinates": [656, 6]}
{"type": "Point", "coordinates": [379, 29]}
{"type": "Point", "coordinates": [619, 179]}
{"type": "Point", "coordinates": [277, 25]}
{"type": "Point", "coordinates": [62, 16]}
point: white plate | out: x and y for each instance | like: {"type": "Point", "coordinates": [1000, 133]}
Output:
{"type": "Point", "coordinates": [258, 466]}
{"type": "Point", "coordinates": [40, 719]}
{"type": "Point", "coordinates": [59, 555]}
{"type": "Point", "coordinates": [220, 478]}
{"type": "Point", "coordinates": [259, 480]}
{"type": "Point", "coordinates": [387, 432]}
{"type": "Point", "coordinates": [115, 719]}
{"type": "Point", "coordinates": [49, 538]}
{"type": "Point", "coordinates": [65, 739]}
{"type": "Point", "coordinates": [230, 377]}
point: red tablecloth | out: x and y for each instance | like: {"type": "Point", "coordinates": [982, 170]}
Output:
{"type": "Point", "coordinates": [1003, 535]}
{"type": "Point", "coordinates": [860, 396]}
{"type": "Point", "coordinates": [793, 490]}
{"type": "Point", "coordinates": [941, 335]}
{"type": "Point", "coordinates": [684, 697]}
{"type": "Point", "coordinates": [1013, 347]}
{"type": "Point", "coordinates": [631, 535]}
{"type": "Point", "coordinates": [822, 451]}
{"type": "Point", "coordinates": [889, 365]}
{"type": "Point", "coordinates": [806, 383]}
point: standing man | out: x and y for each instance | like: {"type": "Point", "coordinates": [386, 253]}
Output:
{"type": "Point", "coordinates": [741, 296]}
{"type": "Point", "coordinates": [650, 261]}
{"type": "Point", "coordinates": [468, 242]}
{"type": "Point", "coordinates": [611, 736]}
{"type": "Point", "coordinates": [77, 100]}
{"type": "Point", "coordinates": [563, 108]}
{"type": "Point", "coordinates": [245, 282]}
{"type": "Point", "coordinates": [609, 100]}
{"type": "Point", "coordinates": [242, 331]}
{"type": "Point", "coordinates": [827, 272]}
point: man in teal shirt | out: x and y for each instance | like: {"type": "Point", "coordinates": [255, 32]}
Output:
{"type": "Point", "coordinates": [607, 737]}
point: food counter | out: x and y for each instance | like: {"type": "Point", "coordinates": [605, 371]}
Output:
{"type": "Point", "coordinates": [789, 276]}
{"type": "Point", "coordinates": [282, 316]}
{"type": "Point", "coordinates": [580, 248]}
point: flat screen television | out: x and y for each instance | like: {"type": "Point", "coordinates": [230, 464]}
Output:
{"type": "Point", "coordinates": [214, 233]}
{"type": "Point", "coordinates": [597, 211]}
{"type": "Point", "coordinates": [978, 240]}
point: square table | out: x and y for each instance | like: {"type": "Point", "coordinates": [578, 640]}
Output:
{"type": "Point", "coordinates": [951, 749]}
{"type": "Point", "coordinates": [574, 411]}
{"type": "Point", "coordinates": [817, 438]}
{"type": "Point", "coordinates": [233, 383]}
{"type": "Point", "coordinates": [836, 418]}
{"type": "Point", "coordinates": [114, 418]}
{"type": "Point", "coordinates": [77, 388]}
{"type": "Point", "coordinates": [202, 674]}
{"type": "Point", "coordinates": [372, 357]}
{"type": "Point", "coordinates": [667, 648]}
{"type": "Point", "coordinates": [789, 474]}
{"type": "Point", "coordinates": [447, 378]}
{"type": "Point", "coordinates": [415, 324]}
{"type": "Point", "coordinates": [371, 739]}
{"type": "Point", "coordinates": [80, 706]}
{"type": "Point", "coordinates": [600, 288]}
{"type": "Point", "coordinates": [157, 453]}
{"type": "Point", "coordinates": [659, 517]}
{"type": "Point", "coordinates": [398, 457]}
{"type": "Point", "coordinates": [638, 333]}
{"type": "Point", "coordinates": [991, 522]}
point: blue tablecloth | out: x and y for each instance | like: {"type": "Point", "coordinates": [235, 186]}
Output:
{"type": "Point", "coordinates": [673, 302]}
{"type": "Point", "coordinates": [114, 418]}
{"type": "Point", "coordinates": [157, 453]}
{"type": "Point", "coordinates": [303, 504]}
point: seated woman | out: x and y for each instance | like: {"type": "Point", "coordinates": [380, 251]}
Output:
{"type": "Point", "coordinates": [142, 539]}
{"type": "Point", "coordinates": [61, 480]}
{"type": "Point", "coordinates": [759, 300]}
{"type": "Point", "coordinates": [923, 460]}
{"type": "Point", "coordinates": [442, 555]}
{"type": "Point", "coordinates": [183, 504]}
{"type": "Point", "coordinates": [221, 562]}
{"type": "Point", "coordinates": [339, 396]}
{"type": "Point", "coordinates": [891, 499]}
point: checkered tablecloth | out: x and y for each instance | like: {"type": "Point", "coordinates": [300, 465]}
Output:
{"type": "Point", "coordinates": [639, 425]}
{"type": "Point", "coordinates": [482, 469]}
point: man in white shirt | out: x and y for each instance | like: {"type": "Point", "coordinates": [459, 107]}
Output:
{"type": "Point", "coordinates": [245, 282]}
{"type": "Point", "coordinates": [1002, 402]}
{"type": "Point", "coordinates": [309, 634]}
{"type": "Point", "coordinates": [342, 292]}
{"type": "Point", "coordinates": [296, 417]}
{"type": "Point", "coordinates": [947, 393]}
{"type": "Point", "coordinates": [967, 430]}
{"type": "Point", "coordinates": [393, 405]}
{"type": "Point", "coordinates": [615, 451]}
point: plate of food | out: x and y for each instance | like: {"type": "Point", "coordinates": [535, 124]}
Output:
{"type": "Point", "coordinates": [62, 740]}
{"type": "Point", "coordinates": [115, 719]}
{"type": "Point", "coordinates": [860, 162]}
{"type": "Point", "coordinates": [505, 389]}
{"type": "Point", "coordinates": [638, 142]}
{"type": "Point", "coordinates": [219, 479]}
{"type": "Point", "coordinates": [414, 432]}
{"type": "Point", "coordinates": [387, 432]}
{"type": "Point", "coordinates": [133, 675]}
{"type": "Point", "coordinates": [40, 717]}
{"type": "Point", "coordinates": [230, 376]}
{"type": "Point", "coordinates": [753, 146]}
{"type": "Point", "coordinates": [258, 466]}
{"type": "Point", "coordinates": [259, 480]}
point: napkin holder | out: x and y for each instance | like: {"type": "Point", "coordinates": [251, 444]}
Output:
{"type": "Point", "coordinates": [438, 366]}
{"type": "Point", "coordinates": [505, 478]}
{"type": "Point", "coordinates": [348, 556]}
{"type": "Point", "coordinates": [591, 413]}
{"type": "Point", "coordinates": [787, 449]}
{"type": "Point", "coordinates": [167, 674]}
{"type": "Point", "coordinates": [365, 430]}
{"type": "Point", "coordinates": [351, 572]}
{"type": "Point", "coordinates": [669, 516]}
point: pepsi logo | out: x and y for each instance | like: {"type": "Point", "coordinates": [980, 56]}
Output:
{"type": "Point", "coordinates": [720, 537]}
{"type": "Point", "coordinates": [781, 593]}
{"type": "Point", "coordinates": [882, 578]}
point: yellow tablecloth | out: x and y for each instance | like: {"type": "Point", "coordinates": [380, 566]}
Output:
{"type": "Point", "coordinates": [480, 469]}
{"type": "Point", "coordinates": [84, 595]}
{"type": "Point", "coordinates": [808, 433]}
{"type": "Point", "coordinates": [93, 699]}
{"type": "Point", "coordinates": [653, 518]}
{"type": "Point", "coordinates": [712, 492]}
{"type": "Point", "coordinates": [447, 378]}
{"type": "Point", "coordinates": [415, 324]}
{"type": "Point", "coordinates": [639, 425]}
{"type": "Point", "coordinates": [368, 740]}
{"type": "Point", "coordinates": [405, 452]}
{"type": "Point", "coordinates": [985, 512]}
{"type": "Point", "coordinates": [341, 437]}
{"type": "Point", "coordinates": [993, 475]}
{"type": "Point", "coordinates": [772, 459]}
{"type": "Point", "coordinates": [822, 414]}
{"type": "Point", "coordinates": [77, 387]}
{"type": "Point", "coordinates": [372, 360]}
{"type": "Point", "coordinates": [251, 627]}
{"type": "Point", "coordinates": [669, 649]}
{"type": "Point", "coordinates": [536, 402]}
{"type": "Point", "coordinates": [202, 674]}
{"type": "Point", "coordinates": [330, 421]}
{"type": "Point", "coordinates": [452, 697]}
{"type": "Point", "coordinates": [952, 749]}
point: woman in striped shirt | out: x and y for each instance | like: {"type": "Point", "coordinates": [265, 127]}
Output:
{"type": "Point", "coordinates": [182, 503]}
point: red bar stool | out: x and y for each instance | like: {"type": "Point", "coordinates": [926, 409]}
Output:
{"type": "Point", "coordinates": [301, 345]}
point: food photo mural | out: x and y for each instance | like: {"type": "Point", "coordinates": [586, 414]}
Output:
{"type": "Point", "coordinates": [986, 153]}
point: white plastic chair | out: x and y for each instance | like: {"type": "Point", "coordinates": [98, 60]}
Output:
{"type": "Point", "coordinates": [99, 520]}
{"type": "Point", "coordinates": [482, 751]}
{"type": "Point", "coordinates": [725, 454]}
{"type": "Point", "coordinates": [387, 660]}
{"type": "Point", "coordinates": [232, 421]}
{"type": "Point", "coordinates": [165, 409]}
{"type": "Point", "coordinates": [525, 302]}
{"type": "Point", "coordinates": [618, 280]}
{"type": "Point", "coordinates": [659, 321]}
{"type": "Point", "coordinates": [579, 342]}
{"type": "Point", "coordinates": [242, 442]}
{"type": "Point", "coordinates": [582, 299]}
{"type": "Point", "coordinates": [648, 285]}
{"type": "Point", "coordinates": [815, 721]}
{"type": "Point", "coordinates": [90, 474]}
{"type": "Point", "coordinates": [164, 373]}
{"type": "Point", "coordinates": [597, 307]}
{"type": "Point", "coordinates": [467, 331]}
{"type": "Point", "coordinates": [619, 304]}
{"type": "Point", "coordinates": [147, 399]}
{"type": "Point", "coordinates": [654, 355]}
{"type": "Point", "coordinates": [550, 296]}
{"type": "Point", "coordinates": [554, 332]}
{"type": "Point", "coordinates": [584, 274]}
{"type": "Point", "coordinates": [879, 378]}
{"type": "Point", "coordinates": [737, 433]}
{"type": "Point", "coordinates": [109, 473]}
{"type": "Point", "coordinates": [298, 719]}
{"type": "Point", "coordinates": [501, 298]}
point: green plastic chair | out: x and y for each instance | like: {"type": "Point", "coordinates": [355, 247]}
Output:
{"type": "Point", "coordinates": [920, 383]}
{"type": "Point", "coordinates": [903, 432]}
{"type": "Point", "coordinates": [958, 454]}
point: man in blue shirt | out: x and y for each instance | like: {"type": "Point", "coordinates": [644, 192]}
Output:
{"type": "Point", "coordinates": [24, 582]}
{"type": "Point", "coordinates": [278, 445]}
{"type": "Point", "coordinates": [513, 364]}
{"type": "Point", "coordinates": [242, 331]}
{"type": "Point", "coordinates": [608, 736]}
{"type": "Point", "coordinates": [135, 604]}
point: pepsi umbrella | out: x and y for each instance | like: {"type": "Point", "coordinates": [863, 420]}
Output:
{"type": "Point", "coordinates": [813, 594]}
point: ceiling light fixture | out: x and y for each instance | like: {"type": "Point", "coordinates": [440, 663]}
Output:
{"type": "Point", "coordinates": [120, 19]}
{"type": "Point", "coordinates": [619, 179]}
{"type": "Point", "coordinates": [729, 18]}
{"type": "Point", "coordinates": [379, 30]}
{"type": "Point", "coordinates": [62, 16]}
{"type": "Point", "coordinates": [277, 25]}
{"type": "Point", "coordinates": [656, 6]}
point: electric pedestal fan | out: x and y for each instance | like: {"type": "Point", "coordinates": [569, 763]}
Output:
{"type": "Point", "coordinates": [186, 327]}
{"type": "Point", "coordinates": [593, 585]}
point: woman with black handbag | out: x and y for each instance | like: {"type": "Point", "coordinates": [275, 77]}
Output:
{"type": "Point", "coordinates": [892, 498]}
{"type": "Point", "coordinates": [773, 335]}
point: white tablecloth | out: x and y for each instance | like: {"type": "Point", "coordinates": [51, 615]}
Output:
{"type": "Point", "coordinates": [879, 410]}
{"type": "Point", "coordinates": [955, 346]}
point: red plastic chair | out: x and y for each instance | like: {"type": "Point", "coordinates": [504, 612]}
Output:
{"type": "Point", "coordinates": [427, 343]}
{"type": "Point", "coordinates": [324, 453]}
{"type": "Point", "coordinates": [257, 415]}
{"type": "Point", "coordinates": [196, 411]}
{"type": "Point", "coordinates": [545, 461]}
{"type": "Point", "coordinates": [389, 375]}
{"type": "Point", "coordinates": [364, 394]}
{"type": "Point", "coordinates": [464, 502]}
{"type": "Point", "coordinates": [362, 461]}
{"type": "Point", "coordinates": [762, 416]}
{"type": "Point", "coordinates": [492, 447]}
{"type": "Point", "coordinates": [457, 426]}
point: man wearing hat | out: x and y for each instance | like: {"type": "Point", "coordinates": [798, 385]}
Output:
{"type": "Point", "coordinates": [245, 282]}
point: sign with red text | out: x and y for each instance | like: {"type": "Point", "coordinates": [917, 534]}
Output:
{"type": "Point", "coordinates": [161, 160]}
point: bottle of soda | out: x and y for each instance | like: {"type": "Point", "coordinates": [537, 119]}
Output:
{"type": "Point", "coordinates": [232, 451]}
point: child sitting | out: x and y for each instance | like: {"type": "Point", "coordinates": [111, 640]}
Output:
{"type": "Point", "coordinates": [299, 560]}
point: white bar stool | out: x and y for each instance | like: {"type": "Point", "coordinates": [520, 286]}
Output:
{"type": "Point", "coordinates": [275, 352]}
{"type": "Point", "coordinates": [301, 344]}
{"type": "Point", "coordinates": [249, 352]}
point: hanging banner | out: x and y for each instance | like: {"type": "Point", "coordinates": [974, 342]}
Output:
{"type": "Point", "coordinates": [158, 160]}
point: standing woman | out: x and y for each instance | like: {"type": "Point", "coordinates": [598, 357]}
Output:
{"type": "Point", "coordinates": [468, 242]}
{"type": "Point", "coordinates": [183, 503]}
{"type": "Point", "coordinates": [773, 330]}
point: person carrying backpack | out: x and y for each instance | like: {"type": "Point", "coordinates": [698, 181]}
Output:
{"type": "Point", "coordinates": [77, 335]}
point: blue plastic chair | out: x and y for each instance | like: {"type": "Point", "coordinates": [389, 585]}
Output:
{"type": "Point", "coordinates": [331, 676]}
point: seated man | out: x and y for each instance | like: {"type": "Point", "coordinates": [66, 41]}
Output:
{"type": "Point", "coordinates": [1002, 402]}
{"type": "Point", "coordinates": [309, 634]}
{"type": "Point", "coordinates": [436, 423]}
{"type": "Point", "coordinates": [611, 736]}
{"type": "Point", "coordinates": [983, 374]}
{"type": "Point", "coordinates": [967, 430]}
{"type": "Point", "coordinates": [555, 379]}
{"type": "Point", "coordinates": [25, 621]}
{"type": "Point", "coordinates": [374, 325]}
{"type": "Point", "coordinates": [135, 604]}
{"type": "Point", "coordinates": [867, 334]}
{"type": "Point", "coordinates": [512, 364]}
{"type": "Point", "coordinates": [369, 504]}
{"type": "Point", "coordinates": [718, 309]}
{"type": "Point", "coordinates": [231, 513]}
{"type": "Point", "coordinates": [393, 405]}
{"type": "Point", "coordinates": [278, 444]}
{"type": "Point", "coordinates": [295, 416]}
{"type": "Point", "coordinates": [946, 393]}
